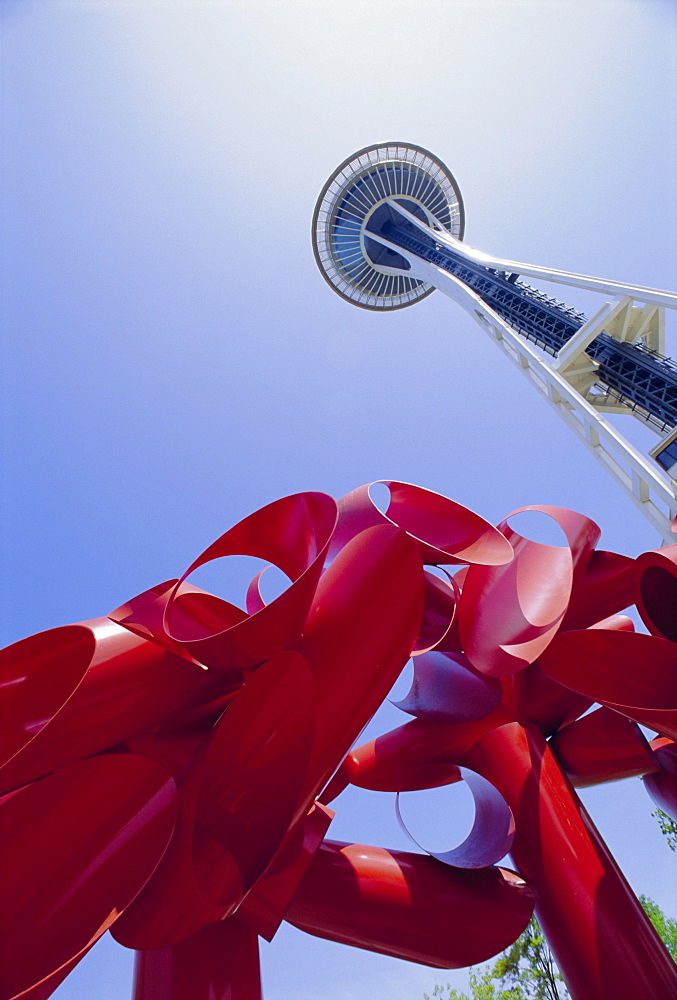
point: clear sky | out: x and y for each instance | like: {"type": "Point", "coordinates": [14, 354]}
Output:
{"type": "Point", "coordinates": [172, 359]}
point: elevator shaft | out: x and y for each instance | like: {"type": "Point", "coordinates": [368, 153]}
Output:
{"type": "Point", "coordinates": [632, 374]}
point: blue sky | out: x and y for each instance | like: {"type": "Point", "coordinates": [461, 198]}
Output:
{"type": "Point", "coordinates": [172, 360]}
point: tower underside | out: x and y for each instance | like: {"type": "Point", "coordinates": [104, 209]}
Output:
{"type": "Point", "coordinates": [387, 231]}
{"type": "Point", "coordinates": [396, 196]}
{"type": "Point", "coordinates": [356, 195]}
{"type": "Point", "coordinates": [636, 375]}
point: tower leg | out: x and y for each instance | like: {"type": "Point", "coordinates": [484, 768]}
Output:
{"type": "Point", "coordinates": [220, 962]}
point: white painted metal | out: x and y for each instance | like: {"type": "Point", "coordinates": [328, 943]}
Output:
{"type": "Point", "coordinates": [646, 485]}
{"type": "Point", "coordinates": [581, 340]}
{"type": "Point", "coordinates": [639, 293]}
{"type": "Point", "coordinates": [626, 318]}
{"type": "Point", "coordinates": [669, 439]}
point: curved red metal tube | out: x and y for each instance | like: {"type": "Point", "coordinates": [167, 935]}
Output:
{"type": "Point", "coordinates": [409, 906]}
{"type": "Point", "coordinates": [74, 691]}
{"type": "Point", "coordinates": [602, 746]}
{"type": "Point", "coordinates": [265, 906]}
{"type": "Point", "coordinates": [632, 673]}
{"type": "Point", "coordinates": [662, 788]}
{"type": "Point", "coordinates": [227, 724]}
{"type": "Point", "coordinates": [292, 534]}
{"type": "Point", "coordinates": [509, 614]}
{"type": "Point", "coordinates": [602, 590]}
{"type": "Point", "coordinates": [543, 702]}
{"type": "Point", "coordinates": [655, 582]}
{"type": "Point", "coordinates": [602, 940]}
{"type": "Point", "coordinates": [353, 650]}
{"type": "Point", "coordinates": [397, 761]}
{"type": "Point", "coordinates": [104, 826]}
{"type": "Point", "coordinates": [445, 531]}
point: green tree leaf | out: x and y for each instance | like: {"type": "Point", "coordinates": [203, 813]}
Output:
{"type": "Point", "coordinates": [527, 971]}
{"type": "Point", "coordinates": [668, 828]}
{"type": "Point", "coordinates": [666, 926]}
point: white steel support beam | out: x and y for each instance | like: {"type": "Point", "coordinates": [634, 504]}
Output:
{"type": "Point", "coordinates": [583, 337]}
{"type": "Point", "coordinates": [643, 482]}
{"type": "Point", "coordinates": [639, 293]}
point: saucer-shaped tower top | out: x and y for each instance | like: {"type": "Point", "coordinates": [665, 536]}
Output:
{"type": "Point", "coordinates": [354, 201]}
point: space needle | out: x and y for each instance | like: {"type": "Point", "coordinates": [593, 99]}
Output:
{"type": "Point", "coordinates": [387, 230]}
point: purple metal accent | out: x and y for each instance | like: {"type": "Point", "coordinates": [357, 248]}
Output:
{"type": "Point", "coordinates": [492, 832]}
{"type": "Point", "coordinates": [447, 688]}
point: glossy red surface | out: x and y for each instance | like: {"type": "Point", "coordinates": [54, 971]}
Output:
{"type": "Point", "coordinates": [662, 785]}
{"type": "Point", "coordinates": [602, 590]}
{"type": "Point", "coordinates": [292, 534]}
{"type": "Point", "coordinates": [397, 761]}
{"type": "Point", "coordinates": [249, 714]}
{"type": "Point", "coordinates": [103, 826]}
{"type": "Point", "coordinates": [237, 801]}
{"type": "Point", "coordinates": [655, 582]}
{"type": "Point", "coordinates": [445, 531]}
{"type": "Point", "coordinates": [632, 673]}
{"type": "Point", "coordinates": [353, 650]}
{"type": "Point", "coordinates": [545, 703]}
{"type": "Point", "coordinates": [171, 906]}
{"type": "Point", "coordinates": [603, 942]}
{"type": "Point", "coordinates": [74, 691]}
{"type": "Point", "coordinates": [265, 906]}
{"type": "Point", "coordinates": [602, 746]}
{"type": "Point", "coordinates": [665, 751]}
{"type": "Point", "coordinates": [253, 775]}
{"type": "Point", "coordinates": [46, 987]}
{"type": "Point", "coordinates": [509, 614]}
{"type": "Point", "coordinates": [219, 963]}
{"type": "Point", "coordinates": [409, 906]}
{"type": "Point", "coordinates": [662, 788]}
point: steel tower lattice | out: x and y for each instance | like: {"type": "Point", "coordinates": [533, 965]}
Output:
{"type": "Point", "coordinates": [387, 231]}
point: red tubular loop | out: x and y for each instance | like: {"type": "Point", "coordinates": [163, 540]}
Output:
{"type": "Point", "coordinates": [175, 751]}
{"type": "Point", "coordinates": [445, 531]}
{"type": "Point", "coordinates": [602, 590]}
{"type": "Point", "coordinates": [629, 672]}
{"type": "Point", "coordinates": [292, 534]}
{"type": "Point", "coordinates": [655, 584]}
{"type": "Point", "coordinates": [492, 831]}
{"type": "Point", "coordinates": [76, 690]}
{"type": "Point", "coordinates": [509, 614]}
{"type": "Point", "coordinates": [602, 746]}
{"type": "Point", "coordinates": [409, 906]}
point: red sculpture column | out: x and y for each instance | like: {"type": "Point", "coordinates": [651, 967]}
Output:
{"type": "Point", "coordinates": [603, 942]}
{"type": "Point", "coordinates": [220, 962]}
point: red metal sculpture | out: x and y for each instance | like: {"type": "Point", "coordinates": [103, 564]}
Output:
{"type": "Point", "coordinates": [166, 772]}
